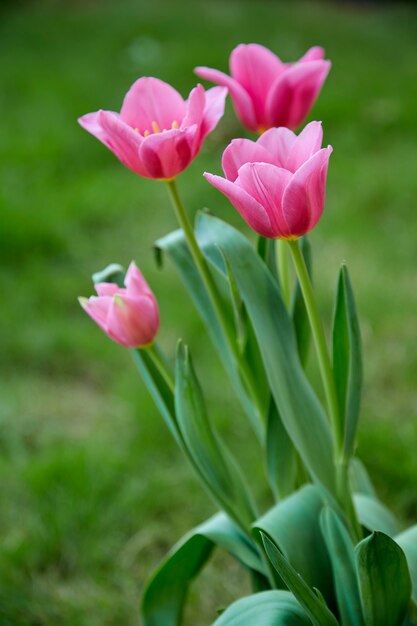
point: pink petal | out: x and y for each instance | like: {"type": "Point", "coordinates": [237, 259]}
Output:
{"type": "Point", "coordinates": [136, 284]}
{"type": "Point", "coordinates": [304, 198]}
{"type": "Point", "coordinates": [194, 107]}
{"type": "Point", "coordinates": [256, 68]}
{"type": "Point", "coordinates": [241, 99]}
{"type": "Point", "coordinates": [266, 183]}
{"type": "Point", "coordinates": [106, 289]}
{"type": "Point", "coordinates": [98, 309]}
{"type": "Point", "coordinates": [313, 54]}
{"type": "Point", "coordinates": [151, 100]}
{"type": "Point", "coordinates": [251, 211]}
{"type": "Point", "coordinates": [166, 154]}
{"type": "Point", "coordinates": [116, 135]}
{"type": "Point", "coordinates": [133, 321]}
{"type": "Point", "coordinates": [278, 142]}
{"type": "Point", "coordinates": [241, 151]}
{"type": "Point", "coordinates": [214, 109]}
{"type": "Point", "coordinates": [305, 145]}
{"type": "Point", "coordinates": [294, 93]}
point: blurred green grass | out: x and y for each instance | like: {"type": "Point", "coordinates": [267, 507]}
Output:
{"type": "Point", "coordinates": [93, 491]}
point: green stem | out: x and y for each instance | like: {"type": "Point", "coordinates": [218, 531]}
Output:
{"type": "Point", "coordinates": [319, 341]}
{"type": "Point", "coordinates": [161, 365]}
{"type": "Point", "coordinates": [283, 271]}
{"type": "Point", "coordinates": [212, 290]}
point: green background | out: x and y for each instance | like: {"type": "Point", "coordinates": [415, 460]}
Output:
{"type": "Point", "coordinates": [93, 491]}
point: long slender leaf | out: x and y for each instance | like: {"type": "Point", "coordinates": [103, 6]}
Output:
{"type": "Point", "coordinates": [407, 540]}
{"type": "Point", "coordinates": [208, 452]}
{"type": "Point", "coordinates": [281, 456]}
{"type": "Point", "coordinates": [341, 551]}
{"type": "Point", "coordinates": [384, 580]}
{"type": "Point", "coordinates": [269, 608]}
{"type": "Point", "coordinates": [297, 404]}
{"type": "Point", "coordinates": [347, 359]}
{"type": "Point", "coordinates": [360, 479]}
{"type": "Point", "coordinates": [298, 309]}
{"type": "Point", "coordinates": [374, 515]}
{"type": "Point", "coordinates": [313, 606]}
{"type": "Point", "coordinates": [166, 592]}
{"type": "Point", "coordinates": [293, 525]}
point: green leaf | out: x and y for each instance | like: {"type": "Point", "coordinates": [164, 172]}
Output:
{"type": "Point", "coordinates": [384, 580]}
{"type": "Point", "coordinates": [281, 456]}
{"type": "Point", "coordinates": [313, 605]}
{"type": "Point", "coordinates": [374, 515]}
{"type": "Point", "coordinates": [360, 479]}
{"type": "Point", "coordinates": [407, 540]}
{"type": "Point", "coordinates": [166, 592]}
{"type": "Point", "coordinates": [268, 608]}
{"type": "Point", "coordinates": [299, 311]}
{"type": "Point", "coordinates": [347, 359]}
{"type": "Point", "coordinates": [293, 525]}
{"type": "Point", "coordinates": [341, 550]}
{"type": "Point", "coordinates": [298, 406]}
{"type": "Point", "coordinates": [210, 457]}
{"type": "Point", "coordinates": [176, 247]}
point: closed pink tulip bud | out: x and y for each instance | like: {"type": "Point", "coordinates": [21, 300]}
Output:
{"type": "Point", "coordinates": [278, 183]}
{"type": "Point", "coordinates": [267, 92]}
{"type": "Point", "coordinates": [157, 134]}
{"type": "Point", "coordinates": [129, 315]}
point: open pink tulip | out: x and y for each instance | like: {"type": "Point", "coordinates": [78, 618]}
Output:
{"type": "Point", "coordinates": [267, 92]}
{"type": "Point", "coordinates": [157, 134]}
{"type": "Point", "coordinates": [278, 183]}
{"type": "Point", "coordinates": [127, 315]}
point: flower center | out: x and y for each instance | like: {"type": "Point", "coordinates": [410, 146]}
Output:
{"type": "Point", "coordinates": [157, 129]}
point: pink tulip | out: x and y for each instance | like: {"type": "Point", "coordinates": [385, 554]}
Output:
{"type": "Point", "coordinates": [157, 134]}
{"type": "Point", "coordinates": [278, 183]}
{"type": "Point", "coordinates": [267, 92]}
{"type": "Point", "coordinates": [127, 315]}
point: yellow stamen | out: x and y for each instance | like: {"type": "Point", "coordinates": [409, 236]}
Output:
{"type": "Point", "coordinates": [146, 133]}
{"type": "Point", "coordinates": [155, 127]}
{"type": "Point", "coordinates": [175, 124]}
{"type": "Point", "coordinates": [119, 301]}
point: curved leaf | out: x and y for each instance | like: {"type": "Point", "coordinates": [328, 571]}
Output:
{"type": "Point", "coordinates": [407, 540]}
{"type": "Point", "coordinates": [347, 359]}
{"type": "Point", "coordinates": [341, 551]}
{"type": "Point", "coordinates": [166, 592]}
{"type": "Point", "coordinates": [360, 479]}
{"type": "Point", "coordinates": [293, 525]}
{"type": "Point", "coordinates": [299, 311]}
{"type": "Point", "coordinates": [384, 580]}
{"type": "Point", "coordinates": [296, 401]}
{"type": "Point", "coordinates": [281, 456]}
{"type": "Point", "coordinates": [374, 515]}
{"type": "Point", "coordinates": [313, 605]}
{"type": "Point", "coordinates": [268, 608]}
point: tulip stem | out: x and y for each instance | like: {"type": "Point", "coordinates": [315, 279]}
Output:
{"type": "Point", "coordinates": [319, 340]}
{"type": "Point", "coordinates": [159, 360]}
{"type": "Point", "coordinates": [283, 271]}
{"type": "Point", "coordinates": [211, 290]}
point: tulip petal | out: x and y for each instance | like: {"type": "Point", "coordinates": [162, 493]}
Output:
{"type": "Point", "coordinates": [304, 198]}
{"type": "Point", "coordinates": [278, 142]}
{"type": "Point", "coordinates": [117, 136]}
{"type": "Point", "coordinates": [195, 105]}
{"type": "Point", "coordinates": [266, 183]}
{"type": "Point", "coordinates": [151, 100]}
{"type": "Point", "coordinates": [249, 208]}
{"type": "Point", "coordinates": [133, 321]}
{"type": "Point", "coordinates": [313, 54]}
{"type": "Point", "coordinates": [241, 151]}
{"type": "Point", "coordinates": [255, 68]}
{"type": "Point", "coordinates": [307, 143]}
{"type": "Point", "coordinates": [241, 99]}
{"type": "Point", "coordinates": [136, 284]}
{"type": "Point", "coordinates": [98, 309]}
{"type": "Point", "coordinates": [294, 93]}
{"type": "Point", "coordinates": [166, 154]}
{"type": "Point", "coordinates": [106, 289]}
{"type": "Point", "coordinates": [214, 109]}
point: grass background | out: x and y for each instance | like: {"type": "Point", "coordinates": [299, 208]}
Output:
{"type": "Point", "coordinates": [93, 491]}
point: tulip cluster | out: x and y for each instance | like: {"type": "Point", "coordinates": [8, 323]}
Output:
{"type": "Point", "coordinates": [328, 552]}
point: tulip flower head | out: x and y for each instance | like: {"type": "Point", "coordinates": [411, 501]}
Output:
{"type": "Point", "coordinates": [267, 92]}
{"type": "Point", "coordinates": [157, 134]}
{"type": "Point", "coordinates": [128, 315]}
{"type": "Point", "coordinates": [278, 183]}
